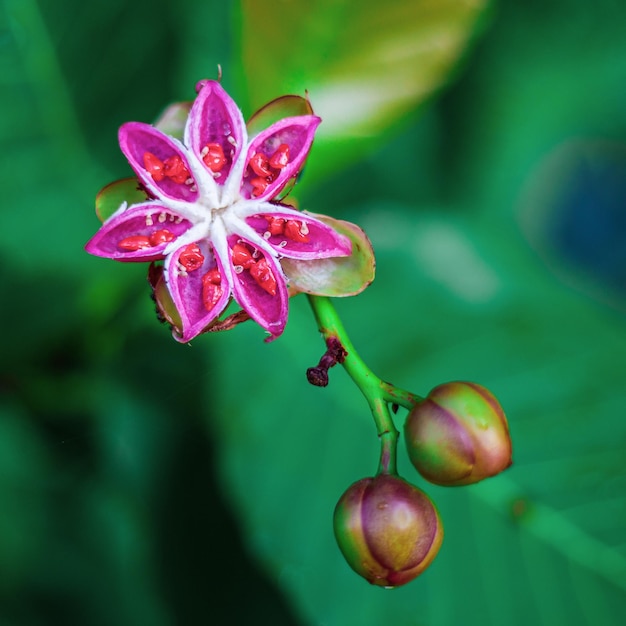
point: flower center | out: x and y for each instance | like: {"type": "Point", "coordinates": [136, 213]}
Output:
{"type": "Point", "coordinates": [246, 258]}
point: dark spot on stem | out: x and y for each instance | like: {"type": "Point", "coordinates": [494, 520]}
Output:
{"type": "Point", "coordinates": [335, 353]}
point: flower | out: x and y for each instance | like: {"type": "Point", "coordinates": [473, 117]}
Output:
{"type": "Point", "coordinates": [212, 213]}
{"type": "Point", "coordinates": [458, 435]}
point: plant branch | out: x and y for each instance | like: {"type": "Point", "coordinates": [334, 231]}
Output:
{"type": "Point", "coordinates": [378, 393]}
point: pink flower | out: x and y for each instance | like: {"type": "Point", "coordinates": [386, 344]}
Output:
{"type": "Point", "coordinates": [212, 214]}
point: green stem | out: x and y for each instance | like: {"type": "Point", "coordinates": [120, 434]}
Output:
{"type": "Point", "coordinates": [378, 393]}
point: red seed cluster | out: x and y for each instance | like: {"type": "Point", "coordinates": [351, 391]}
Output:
{"type": "Point", "coordinates": [191, 258]}
{"type": "Point", "coordinates": [267, 168]}
{"type": "Point", "coordinates": [173, 168]}
{"type": "Point", "coordinates": [142, 242]}
{"type": "Point", "coordinates": [291, 229]}
{"type": "Point", "coordinates": [261, 272]}
{"type": "Point", "coordinates": [211, 288]}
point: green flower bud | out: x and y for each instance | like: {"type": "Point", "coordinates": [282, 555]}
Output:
{"type": "Point", "coordinates": [458, 435]}
{"type": "Point", "coordinates": [388, 530]}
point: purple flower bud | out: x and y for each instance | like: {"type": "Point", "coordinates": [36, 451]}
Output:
{"type": "Point", "coordinates": [388, 530]}
{"type": "Point", "coordinates": [458, 435]}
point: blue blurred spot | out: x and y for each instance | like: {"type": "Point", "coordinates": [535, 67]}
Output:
{"type": "Point", "coordinates": [587, 222]}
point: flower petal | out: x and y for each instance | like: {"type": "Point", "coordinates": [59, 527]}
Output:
{"type": "Point", "coordinates": [138, 233]}
{"type": "Point", "coordinates": [199, 294]}
{"type": "Point", "coordinates": [259, 285]}
{"type": "Point", "coordinates": [299, 235]}
{"type": "Point", "coordinates": [276, 155]}
{"type": "Point", "coordinates": [338, 276]}
{"type": "Point", "coordinates": [215, 130]}
{"type": "Point", "coordinates": [159, 161]}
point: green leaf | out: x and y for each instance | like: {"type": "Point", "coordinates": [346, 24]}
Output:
{"type": "Point", "coordinates": [365, 66]}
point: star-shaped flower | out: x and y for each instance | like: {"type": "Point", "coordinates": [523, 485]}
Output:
{"type": "Point", "coordinates": [212, 214]}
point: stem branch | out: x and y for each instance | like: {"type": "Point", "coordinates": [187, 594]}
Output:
{"type": "Point", "coordinates": [378, 393]}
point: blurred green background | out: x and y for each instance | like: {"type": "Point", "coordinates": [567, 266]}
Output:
{"type": "Point", "coordinates": [483, 149]}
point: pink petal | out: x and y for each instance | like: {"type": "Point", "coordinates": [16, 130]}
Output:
{"type": "Point", "coordinates": [294, 133]}
{"type": "Point", "coordinates": [298, 235]}
{"type": "Point", "coordinates": [215, 120]}
{"type": "Point", "coordinates": [145, 146]}
{"type": "Point", "coordinates": [198, 300]}
{"type": "Point", "coordinates": [139, 225]}
{"type": "Point", "coordinates": [267, 309]}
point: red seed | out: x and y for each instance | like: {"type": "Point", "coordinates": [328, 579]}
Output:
{"type": "Point", "coordinates": [213, 276]}
{"type": "Point", "coordinates": [154, 166]}
{"type": "Point", "coordinates": [161, 236]}
{"type": "Point", "coordinates": [175, 168]}
{"type": "Point", "coordinates": [134, 243]}
{"type": "Point", "coordinates": [191, 258]}
{"type": "Point", "coordinates": [214, 158]}
{"type": "Point", "coordinates": [280, 158]}
{"type": "Point", "coordinates": [242, 256]}
{"type": "Point", "coordinates": [293, 231]}
{"type": "Point", "coordinates": [211, 288]}
{"type": "Point", "coordinates": [276, 225]}
{"type": "Point", "coordinates": [260, 165]}
{"type": "Point", "coordinates": [263, 276]}
{"type": "Point", "coordinates": [259, 185]}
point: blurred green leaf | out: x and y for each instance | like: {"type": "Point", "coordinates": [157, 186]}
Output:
{"type": "Point", "coordinates": [460, 295]}
{"type": "Point", "coordinates": [112, 505]}
{"type": "Point", "coordinates": [366, 66]}
{"type": "Point", "coordinates": [466, 316]}
{"type": "Point", "coordinates": [23, 525]}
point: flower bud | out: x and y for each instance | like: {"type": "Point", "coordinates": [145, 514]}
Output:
{"type": "Point", "coordinates": [458, 435]}
{"type": "Point", "coordinates": [388, 530]}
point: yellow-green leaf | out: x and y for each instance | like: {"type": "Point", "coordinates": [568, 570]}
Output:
{"type": "Point", "coordinates": [365, 65]}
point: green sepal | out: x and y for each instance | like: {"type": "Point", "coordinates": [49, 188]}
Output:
{"type": "Point", "coordinates": [335, 277]}
{"type": "Point", "coordinates": [278, 109]}
{"type": "Point", "coordinates": [173, 119]}
{"type": "Point", "coordinates": [111, 197]}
